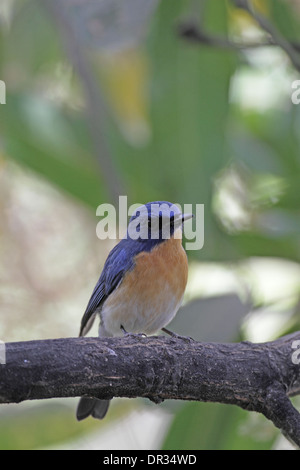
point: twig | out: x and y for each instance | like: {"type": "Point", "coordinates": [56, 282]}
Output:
{"type": "Point", "coordinates": [94, 103]}
{"type": "Point", "coordinates": [193, 33]}
{"type": "Point", "coordinates": [256, 377]}
{"type": "Point", "coordinates": [269, 28]}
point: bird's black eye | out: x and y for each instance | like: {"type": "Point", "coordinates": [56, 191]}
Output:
{"type": "Point", "coordinates": [149, 222]}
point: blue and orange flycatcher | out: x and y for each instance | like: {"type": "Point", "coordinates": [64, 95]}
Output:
{"type": "Point", "coordinates": [142, 283]}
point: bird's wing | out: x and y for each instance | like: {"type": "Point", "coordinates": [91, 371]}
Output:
{"type": "Point", "coordinates": [118, 262]}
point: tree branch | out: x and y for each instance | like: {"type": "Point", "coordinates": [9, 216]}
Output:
{"type": "Point", "coordinates": [271, 30]}
{"type": "Point", "coordinates": [256, 377]}
{"type": "Point", "coordinates": [193, 33]}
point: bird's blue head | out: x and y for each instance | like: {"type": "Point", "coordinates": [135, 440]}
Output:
{"type": "Point", "coordinates": [155, 222]}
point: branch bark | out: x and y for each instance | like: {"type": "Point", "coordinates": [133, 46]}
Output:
{"type": "Point", "coordinates": [257, 377]}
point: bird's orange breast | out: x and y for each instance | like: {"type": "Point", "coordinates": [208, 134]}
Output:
{"type": "Point", "coordinates": [150, 294]}
{"type": "Point", "coordinates": [165, 264]}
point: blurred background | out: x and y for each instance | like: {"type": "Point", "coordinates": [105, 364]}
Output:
{"type": "Point", "coordinates": [155, 100]}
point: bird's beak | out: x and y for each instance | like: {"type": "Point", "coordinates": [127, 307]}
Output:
{"type": "Point", "coordinates": [185, 217]}
{"type": "Point", "coordinates": [181, 218]}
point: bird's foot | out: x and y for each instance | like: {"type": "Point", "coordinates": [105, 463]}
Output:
{"type": "Point", "coordinates": [137, 335]}
{"type": "Point", "coordinates": [188, 339]}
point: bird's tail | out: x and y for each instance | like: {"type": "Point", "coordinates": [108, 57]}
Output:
{"type": "Point", "coordinates": [91, 407]}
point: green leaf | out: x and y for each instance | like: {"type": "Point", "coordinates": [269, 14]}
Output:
{"type": "Point", "coordinates": [212, 426]}
{"type": "Point", "coordinates": [285, 18]}
{"type": "Point", "coordinates": [188, 105]}
{"type": "Point", "coordinates": [38, 135]}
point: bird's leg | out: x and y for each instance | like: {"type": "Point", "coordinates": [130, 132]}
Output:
{"type": "Point", "coordinates": [123, 330]}
{"type": "Point", "coordinates": [175, 335]}
{"type": "Point", "coordinates": [131, 334]}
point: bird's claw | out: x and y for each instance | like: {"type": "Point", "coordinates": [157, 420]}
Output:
{"type": "Point", "coordinates": [137, 335]}
{"type": "Point", "coordinates": [188, 339]}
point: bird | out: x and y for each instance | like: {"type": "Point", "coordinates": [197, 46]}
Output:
{"type": "Point", "coordinates": [142, 283]}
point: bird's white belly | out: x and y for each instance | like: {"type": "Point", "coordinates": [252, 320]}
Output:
{"type": "Point", "coordinates": [137, 315]}
{"type": "Point", "coordinates": [150, 294]}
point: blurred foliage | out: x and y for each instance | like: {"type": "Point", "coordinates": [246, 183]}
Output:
{"type": "Point", "coordinates": [32, 432]}
{"type": "Point", "coordinates": [208, 426]}
{"type": "Point", "coordinates": [172, 121]}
